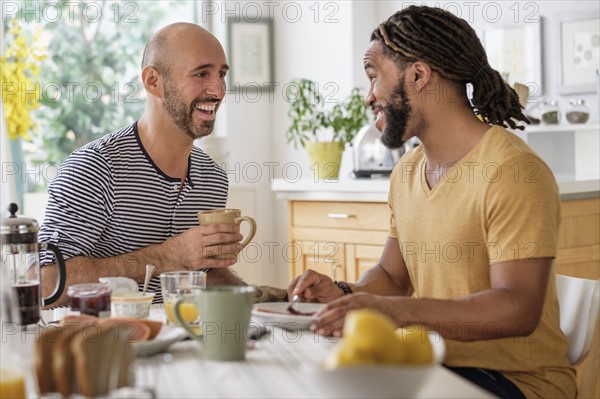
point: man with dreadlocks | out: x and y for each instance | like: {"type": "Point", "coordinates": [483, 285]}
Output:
{"type": "Point", "coordinates": [474, 214]}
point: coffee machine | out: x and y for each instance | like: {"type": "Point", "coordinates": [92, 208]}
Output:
{"type": "Point", "coordinates": [371, 157]}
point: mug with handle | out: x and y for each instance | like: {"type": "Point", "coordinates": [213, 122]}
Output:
{"type": "Point", "coordinates": [231, 216]}
{"type": "Point", "coordinates": [225, 317]}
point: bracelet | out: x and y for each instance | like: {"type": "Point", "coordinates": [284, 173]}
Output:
{"type": "Point", "coordinates": [206, 269]}
{"type": "Point", "coordinates": [344, 286]}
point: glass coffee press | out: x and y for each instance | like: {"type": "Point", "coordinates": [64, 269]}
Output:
{"type": "Point", "coordinates": [21, 257]}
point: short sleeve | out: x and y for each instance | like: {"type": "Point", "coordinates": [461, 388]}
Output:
{"type": "Point", "coordinates": [79, 206]}
{"type": "Point", "coordinates": [522, 211]}
{"type": "Point", "coordinates": [393, 232]}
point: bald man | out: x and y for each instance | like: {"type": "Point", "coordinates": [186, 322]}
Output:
{"type": "Point", "coordinates": [130, 198]}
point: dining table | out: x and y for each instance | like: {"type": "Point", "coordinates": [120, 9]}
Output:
{"type": "Point", "coordinates": [282, 363]}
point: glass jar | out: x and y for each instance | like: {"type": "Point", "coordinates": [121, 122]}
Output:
{"type": "Point", "coordinates": [550, 113]}
{"type": "Point", "coordinates": [92, 299]}
{"type": "Point", "coordinates": [577, 112]}
{"type": "Point", "coordinates": [533, 111]}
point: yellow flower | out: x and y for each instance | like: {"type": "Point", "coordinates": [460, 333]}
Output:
{"type": "Point", "coordinates": [19, 72]}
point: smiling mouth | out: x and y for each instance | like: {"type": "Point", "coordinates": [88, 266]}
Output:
{"type": "Point", "coordinates": [209, 109]}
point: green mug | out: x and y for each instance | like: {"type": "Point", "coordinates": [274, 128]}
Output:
{"type": "Point", "coordinates": [224, 319]}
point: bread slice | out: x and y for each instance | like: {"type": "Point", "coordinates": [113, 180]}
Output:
{"type": "Point", "coordinates": [43, 356]}
{"type": "Point", "coordinates": [102, 364]}
{"type": "Point", "coordinates": [63, 370]}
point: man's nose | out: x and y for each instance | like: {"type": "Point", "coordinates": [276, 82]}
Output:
{"type": "Point", "coordinates": [215, 89]}
{"type": "Point", "coordinates": [369, 99]}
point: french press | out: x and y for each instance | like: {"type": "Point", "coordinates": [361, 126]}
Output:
{"type": "Point", "coordinates": [20, 255]}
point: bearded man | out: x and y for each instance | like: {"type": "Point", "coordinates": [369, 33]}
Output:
{"type": "Point", "coordinates": [131, 197]}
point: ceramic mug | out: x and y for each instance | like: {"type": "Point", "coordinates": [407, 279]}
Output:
{"type": "Point", "coordinates": [230, 216]}
{"type": "Point", "coordinates": [225, 317]}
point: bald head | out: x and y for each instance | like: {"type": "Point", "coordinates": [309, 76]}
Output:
{"type": "Point", "coordinates": [168, 41]}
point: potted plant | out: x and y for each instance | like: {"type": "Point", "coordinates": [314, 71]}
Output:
{"type": "Point", "coordinates": [323, 133]}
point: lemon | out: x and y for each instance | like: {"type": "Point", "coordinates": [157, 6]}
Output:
{"type": "Point", "coordinates": [369, 331]}
{"type": "Point", "coordinates": [415, 342]}
{"type": "Point", "coordinates": [346, 355]}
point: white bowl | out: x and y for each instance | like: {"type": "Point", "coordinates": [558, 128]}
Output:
{"type": "Point", "coordinates": [132, 304]}
{"type": "Point", "coordinates": [384, 381]}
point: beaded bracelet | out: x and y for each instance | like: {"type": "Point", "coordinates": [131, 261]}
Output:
{"type": "Point", "coordinates": [344, 286]}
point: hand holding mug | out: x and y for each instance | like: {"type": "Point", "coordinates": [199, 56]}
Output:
{"type": "Point", "coordinates": [228, 216]}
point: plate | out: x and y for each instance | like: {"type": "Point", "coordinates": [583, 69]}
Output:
{"type": "Point", "coordinates": [276, 314]}
{"type": "Point", "coordinates": [167, 336]}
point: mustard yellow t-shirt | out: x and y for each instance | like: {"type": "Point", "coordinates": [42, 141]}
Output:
{"type": "Point", "coordinates": [499, 203]}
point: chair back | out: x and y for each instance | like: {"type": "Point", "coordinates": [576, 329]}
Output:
{"type": "Point", "coordinates": [579, 302]}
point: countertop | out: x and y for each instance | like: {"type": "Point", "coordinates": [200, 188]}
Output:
{"type": "Point", "coordinates": [376, 190]}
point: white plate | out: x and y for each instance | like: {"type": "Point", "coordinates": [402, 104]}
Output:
{"type": "Point", "coordinates": [282, 318]}
{"type": "Point", "coordinates": [167, 336]}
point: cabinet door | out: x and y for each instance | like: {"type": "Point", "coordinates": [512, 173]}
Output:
{"type": "Point", "coordinates": [323, 257]}
{"type": "Point", "coordinates": [360, 258]}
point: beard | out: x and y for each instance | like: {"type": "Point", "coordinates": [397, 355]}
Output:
{"type": "Point", "coordinates": [397, 114]}
{"type": "Point", "coordinates": [182, 116]}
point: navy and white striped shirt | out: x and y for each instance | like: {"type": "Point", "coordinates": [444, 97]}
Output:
{"type": "Point", "coordinates": [109, 198]}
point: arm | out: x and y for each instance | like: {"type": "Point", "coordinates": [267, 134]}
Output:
{"type": "Point", "coordinates": [388, 277]}
{"type": "Point", "coordinates": [511, 307]}
{"type": "Point", "coordinates": [188, 251]}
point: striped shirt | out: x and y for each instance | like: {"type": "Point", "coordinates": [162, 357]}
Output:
{"type": "Point", "coordinates": [109, 198]}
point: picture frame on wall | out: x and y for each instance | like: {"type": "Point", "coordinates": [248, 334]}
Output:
{"type": "Point", "coordinates": [515, 51]}
{"type": "Point", "coordinates": [579, 45]}
{"type": "Point", "coordinates": [250, 54]}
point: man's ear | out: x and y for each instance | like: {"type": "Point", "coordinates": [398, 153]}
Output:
{"type": "Point", "coordinates": [421, 74]}
{"type": "Point", "coordinates": [152, 81]}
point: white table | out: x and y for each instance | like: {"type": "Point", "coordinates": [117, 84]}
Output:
{"type": "Point", "coordinates": [279, 366]}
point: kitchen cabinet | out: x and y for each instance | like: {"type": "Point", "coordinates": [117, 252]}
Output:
{"type": "Point", "coordinates": [339, 239]}
{"type": "Point", "coordinates": [344, 239]}
{"type": "Point", "coordinates": [579, 239]}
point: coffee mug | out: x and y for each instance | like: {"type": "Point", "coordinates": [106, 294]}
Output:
{"type": "Point", "coordinates": [230, 216]}
{"type": "Point", "coordinates": [225, 317]}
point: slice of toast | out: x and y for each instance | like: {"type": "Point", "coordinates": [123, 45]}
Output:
{"type": "Point", "coordinates": [102, 364]}
{"type": "Point", "coordinates": [63, 362]}
{"type": "Point", "coordinates": [44, 344]}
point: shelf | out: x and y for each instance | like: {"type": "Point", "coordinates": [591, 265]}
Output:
{"type": "Point", "coordinates": [583, 127]}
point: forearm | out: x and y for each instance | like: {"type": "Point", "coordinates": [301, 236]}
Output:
{"type": "Point", "coordinates": [492, 314]}
{"type": "Point", "coordinates": [84, 269]}
{"type": "Point", "coordinates": [379, 282]}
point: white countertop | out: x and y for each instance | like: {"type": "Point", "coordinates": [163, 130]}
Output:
{"type": "Point", "coordinates": [376, 190]}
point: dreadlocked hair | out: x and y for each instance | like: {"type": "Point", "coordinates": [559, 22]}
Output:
{"type": "Point", "coordinates": [451, 48]}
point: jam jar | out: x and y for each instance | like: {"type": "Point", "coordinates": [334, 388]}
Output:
{"type": "Point", "coordinates": [550, 113]}
{"type": "Point", "coordinates": [92, 299]}
{"type": "Point", "coordinates": [577, 112]}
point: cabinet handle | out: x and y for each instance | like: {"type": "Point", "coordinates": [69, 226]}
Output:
{"type": "Point", "coordinates": [340, 216]}
{"type": "Point", "coordinates": [334, 268]}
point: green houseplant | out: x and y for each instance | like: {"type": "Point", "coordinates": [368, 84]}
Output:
{"type": "Point", "coordinates": [323, 133]}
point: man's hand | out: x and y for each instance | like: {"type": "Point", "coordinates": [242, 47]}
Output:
{"type": "Point", "coordinates": [314, 287]}
{"type": "Point", "coordinates": [332, 316]}
{"type": "Point", "coordinates": [196, 248]}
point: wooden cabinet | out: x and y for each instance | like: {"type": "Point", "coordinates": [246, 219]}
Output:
{"type": "Point", "coordinates": [339, 239]}
{"type": "Point", "coordinates": [579, 239]}
{"type": "Point", "coordinates": [344, 239]}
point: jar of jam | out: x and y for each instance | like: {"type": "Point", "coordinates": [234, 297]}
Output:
{"type": "Point", "coordinates": [92, 299]}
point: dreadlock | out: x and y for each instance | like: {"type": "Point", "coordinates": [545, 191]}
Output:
{"type": "Point", "coordinates": [451, 48]}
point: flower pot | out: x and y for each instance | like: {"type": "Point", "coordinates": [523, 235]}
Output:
{"type": "Point", "coordinates": [325, 158]}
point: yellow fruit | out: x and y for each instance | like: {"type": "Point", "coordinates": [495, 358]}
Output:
{"type": "Point", "coordinates": [415, 342]}
{"type": "Point", "coordinates": [369, 331]}
{"type": "Point", "coordinates": [345, 355]}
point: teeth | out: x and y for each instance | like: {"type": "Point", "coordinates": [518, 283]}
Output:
{"type": "Point", "coordinates": [209, 108]}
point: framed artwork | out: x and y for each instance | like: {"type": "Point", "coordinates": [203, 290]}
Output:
{"type": "Point", "coordinates": [579, 44]}
{"type": "Point", "coordinates": [250, 54]}
{"type": "Point", "coordinates": [516, 52]}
